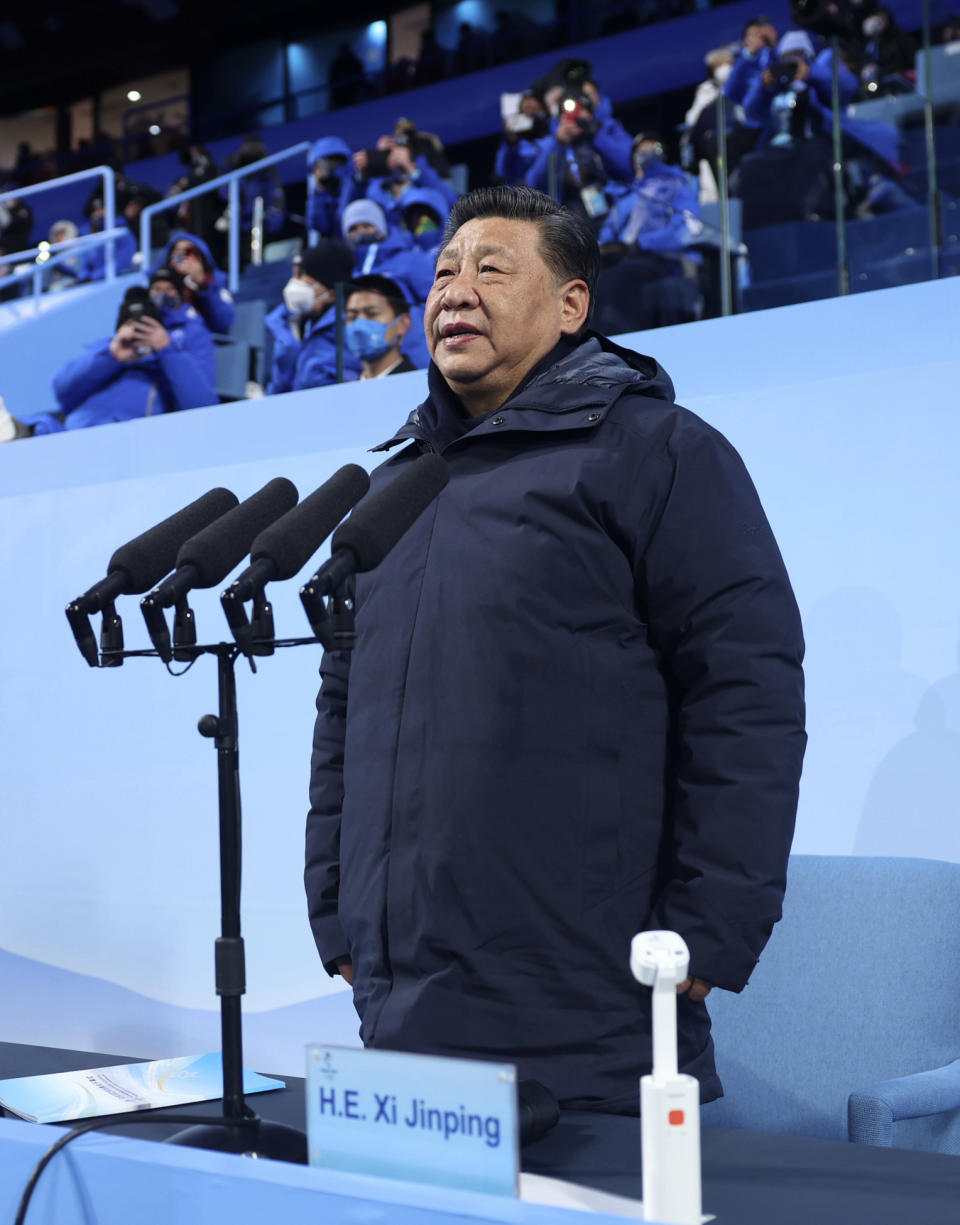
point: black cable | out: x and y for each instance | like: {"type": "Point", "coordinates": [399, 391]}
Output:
{"type": "Point", "coordinates": [147, 1117]}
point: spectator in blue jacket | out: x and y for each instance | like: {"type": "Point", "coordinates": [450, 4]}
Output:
{"type": "Point", "coordinates": [304, 325]}
{"type": "Point", "coordinates": [424, 215]}
{"type": "Point", "coordinates": [660, 210]}
{"type": "Point", "coordinates": [379, 247]}
{"type": "Point", "coordinates": [333, 185]}
{"type": "Point", "coordinates": [205, 285]}
{"type": "Point", "coordinates": [159, 360]}
{"type": "Point", "coordinates": [586, 154]}
{"type": "Point", "coordinates": [93, 262]}
{"type": "Point", "coordinates": [377, 323]}
{"type": "Point", "coordinates": [758, 52]}
{"type": "Point", "coordinates": [522, 134]}
{"type": "Point", "coordinates": [403, 172]}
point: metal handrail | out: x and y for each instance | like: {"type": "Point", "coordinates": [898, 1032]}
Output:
{"type": "Point", "coordinates": [54, 254]}
{"type": "Point", "coordinates": [231, 181]}
{"type": "Point", "coordinates": [109, 177]}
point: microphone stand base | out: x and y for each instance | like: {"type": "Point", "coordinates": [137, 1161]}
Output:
{"type": "Point", "coordinates": [257, 1138]}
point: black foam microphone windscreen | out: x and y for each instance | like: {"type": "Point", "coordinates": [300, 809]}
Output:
{"type": "Point", "coordinates": [291, 541]}
{"type": "Point", "coordinates": [379, 522]}
{"type": "Point", "coordinates": [215, 551]}
{"type": "Point", "coordinates": [143, 561]}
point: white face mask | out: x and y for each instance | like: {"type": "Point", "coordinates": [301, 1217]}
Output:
{"type": "Point", "coordinates": [721, 72]}
{"type": "Point", "coordinates": [298, 296]}
{"type": "Point", "coordinates": [874, 26]}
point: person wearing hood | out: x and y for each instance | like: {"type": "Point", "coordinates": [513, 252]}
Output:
{"type": "Point", "coordinates": [159, 360]}
{"type": "Point", "coordinates": [424, 215]}
{"type": "Point", "coordinates": [574, 709]}
{"type": "Point", "coordinates": [385, 249]}
{"type": "Point", "coordinates": [333, 187]}
{"type": "Point", "coordinates": [304, 325]}
{"type": "Point", "coordinates": [205, 285]}
{"type": "Point", "coordinates": [890, 53]}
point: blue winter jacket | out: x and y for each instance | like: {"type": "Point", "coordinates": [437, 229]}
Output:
{"type": "Point", "coordinates": [311, 362]}
{"type": "Point", "coordinates": [93, 261]}
{"type": "Point", "coordinates": [575, 712]}
{"type": "Point", "coordinates": [398, 258]}
{"type": "Point", "coordinates": [745, 73]}
{"type": "Point", "coordinates": [324, 210]}
{"type": "Point", "coordinates": [671, 202]}
{"type": "Point", "coordinates": [378, 190]}
{"type": "Point", "coordinates": [95, 388]}
{"type": "Point", "coordinates": [214, 304]}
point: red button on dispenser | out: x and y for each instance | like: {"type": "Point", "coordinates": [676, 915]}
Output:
{"type": "Point", "coordinates": [675, 1118]}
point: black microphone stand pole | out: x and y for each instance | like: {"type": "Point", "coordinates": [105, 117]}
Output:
{"type": "Point", "coordinates": [249, 1133]}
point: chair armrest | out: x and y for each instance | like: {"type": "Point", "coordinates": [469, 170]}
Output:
{"type": "Point", "coordinates": [872, 1112]}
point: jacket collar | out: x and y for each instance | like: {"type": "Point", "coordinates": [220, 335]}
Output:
{"type": "Point", "coordinates": [573, 387]}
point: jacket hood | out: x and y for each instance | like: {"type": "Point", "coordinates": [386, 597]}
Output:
{"type": "Point", "coordinates": [429, 196]}
{"type": "Point", "coordinates": [596, 372]}
{"type": "Point", "coordinates": [329, 146]}
{"type": "Point", "coordinates": [197, 242]}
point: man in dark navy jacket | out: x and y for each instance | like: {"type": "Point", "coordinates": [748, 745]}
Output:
{"type": "Point", "coordinates": [576, 699]}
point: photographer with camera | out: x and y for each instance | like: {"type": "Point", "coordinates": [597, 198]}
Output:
{"type": "Point", "coordinates": [333, 186]}
{"type": "Point", "coordinates": [159, 360]}
{"type": "Point", "coordinates": [204, 284]}
{"type": "Point", "coordinates": [585, 154]}
{"type": "Point", "coordinates": [385, 173]}
{"type": "Point", "coordinates": [526, 122]}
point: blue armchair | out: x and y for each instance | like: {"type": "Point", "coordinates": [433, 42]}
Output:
{"type": "Point", "coordinates": [850, 1026]}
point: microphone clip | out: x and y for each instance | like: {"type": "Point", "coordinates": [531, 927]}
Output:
{"type": "Point", "coordinates": [254, 635]}
{"type": "Point", "coordinates": [331, 619]}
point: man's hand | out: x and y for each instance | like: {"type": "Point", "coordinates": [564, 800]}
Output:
{"type": "Point", "coordinates": [568, 131]}
{"type": "Point", "coordinates": [191, 266]}
{"type": "Point", "coordinates": [696, 988]}
{"type": "Point", "coordinates": [399, 159]}
{"type": "Point", "coordinates": [345, 966]}
{"type": "Point", "coordinates": [150, 332]}
{"type": "Point", "coordinates": [124, 344]}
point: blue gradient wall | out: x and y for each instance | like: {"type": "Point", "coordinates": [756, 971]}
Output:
{"type": "Point", "coordinates": [845, 412]}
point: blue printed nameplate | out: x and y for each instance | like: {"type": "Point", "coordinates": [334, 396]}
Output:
{"type": "Point", "coordinates": [420, 1118]}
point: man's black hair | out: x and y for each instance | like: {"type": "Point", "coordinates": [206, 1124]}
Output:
{"type": "Point", "coordinates": [373, 282]}
{"type": "Point", "coordinates": [567, 244]}
{"type": "Point", "coordinates": [761, 19]}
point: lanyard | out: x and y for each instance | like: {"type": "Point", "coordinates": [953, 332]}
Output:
{"type": "Point", "coordinates": [371, 256]}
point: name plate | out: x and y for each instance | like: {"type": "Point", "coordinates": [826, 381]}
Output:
{"type": "Point", "coordinates": [418, 1118]}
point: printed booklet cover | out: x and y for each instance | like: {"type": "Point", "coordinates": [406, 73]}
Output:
{"type": "Point", "coordinates": [60, 1096]}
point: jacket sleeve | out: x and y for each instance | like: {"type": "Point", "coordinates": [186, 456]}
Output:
{"type": "Point", "coordinates": [215, 304]}
{"type": "Point", "coordinates": [321, 875]}
{"type": "Point", "coordinates": [720, 609]}
{"type": "Point", "coordinates": [537, 176]}
{"type": "Point", "coordinates": [745, 67]}
{"type": "Point", "coordinates": [615, 147]}
{"type": "Point", "coordinates": [80, 377]}
{"type": "Point", "coordinates": [187, 374]}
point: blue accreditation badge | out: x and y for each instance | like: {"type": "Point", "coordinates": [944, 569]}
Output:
{"type": "Point", "coordinates": [418, 1118]}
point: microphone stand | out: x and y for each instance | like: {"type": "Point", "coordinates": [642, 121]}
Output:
{"type": "Point", "coordinates": [246, 1132]}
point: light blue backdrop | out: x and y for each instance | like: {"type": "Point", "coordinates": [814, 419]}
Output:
{"type": "Point", "coordinates": [846, 414]}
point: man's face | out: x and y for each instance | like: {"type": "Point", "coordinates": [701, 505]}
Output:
{"type": "Point", "coordinates": [165, 294]}
{"type": "Point", "coordinates": [368, 305]}
{"type": "Point", "coordinates": [322, 295]}
{"type": "Point", "coordinates": [495, 308]}
{"type": "Point", "coordinates": [363, 231]}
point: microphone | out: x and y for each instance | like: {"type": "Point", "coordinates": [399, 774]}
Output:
{"type": "Point", "coordinates": [208, 556]}
{"type": "Point", "coordinates": [363, 541]}
{"type": "Point", "coordinates": [143, 561]}
{"type": "Point", "coordinates": [286, 545]}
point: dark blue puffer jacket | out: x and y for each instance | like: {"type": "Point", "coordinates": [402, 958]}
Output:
{"type": "Point", "coordinates": [575, 712]}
